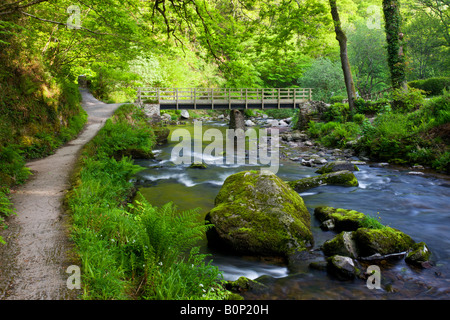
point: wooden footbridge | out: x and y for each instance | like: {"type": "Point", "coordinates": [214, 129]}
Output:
{"type": "Point", "coordinates": [213, 98]}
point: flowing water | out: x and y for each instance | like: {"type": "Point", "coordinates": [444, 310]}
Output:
{"type": "Point", "coordinates": [418, 205]}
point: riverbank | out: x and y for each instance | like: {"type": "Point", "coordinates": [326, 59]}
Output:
{"type": "Point", "coordinates": [132, 249]}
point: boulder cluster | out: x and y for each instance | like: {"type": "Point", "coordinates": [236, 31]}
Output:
{"type": "Point", "coordinates": [256, 213]}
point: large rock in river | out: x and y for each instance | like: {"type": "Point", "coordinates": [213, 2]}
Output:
{"type": "Point", "coordinates": [258, 213]}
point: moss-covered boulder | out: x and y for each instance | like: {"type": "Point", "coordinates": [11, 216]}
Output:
{"type": "Point", "coordinates": [340, 178]}
{"type": "Point", "coordinates": [342, 219]}
{"type": "Point", "coordinates": [381, 241]}
{"type": "Point", "coordinates": [257, 213]}
{"type": "Point", "coordinates": [335, 166]}
{"type": "Point", "coordinates": [419, 255]}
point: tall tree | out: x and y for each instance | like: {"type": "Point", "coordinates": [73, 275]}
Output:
{"type": "Point", "coordinates": [342, 39]}
{"type": "Point", "coordinates": [395, 45]}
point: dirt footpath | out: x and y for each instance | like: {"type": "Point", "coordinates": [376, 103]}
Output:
{"type": "Point", "coordinates": [33, 263]}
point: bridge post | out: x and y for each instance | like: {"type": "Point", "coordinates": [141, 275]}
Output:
{"type": "Point", "coordinates": [237, 120]}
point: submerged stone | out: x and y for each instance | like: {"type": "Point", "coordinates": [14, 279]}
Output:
{"type": "Point", "coordinates": [340, 178]}
{"type": "Point", "coordinates": [419, 255]}
{"type": "Point", "coordinates": [342, 267]}
{"type": "Point", "coordinates": [343, 244]}
{"type": "Point", "coordinates": [337, 166]}
{"type": "Point", "coordinates": [257, 213]}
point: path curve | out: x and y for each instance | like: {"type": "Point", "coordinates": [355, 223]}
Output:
{"type": "Point", "coordinates": [33, 263]}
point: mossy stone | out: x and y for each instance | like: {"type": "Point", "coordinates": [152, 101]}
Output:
{"type": "Point", "coordinates": [418, 255]}
{"type": "Point", "coordinates": [337, 166]}
{"type": "Point", "coordinates": [198, 165]}
{"type": "Point", "coordinates": [243, 284]}
{"type": "Point", "coordinates": [343, 219]}
{"type": "Point", "coordinates": [257, 213]}
{"type": "Point", "coordinates": [342, 244]}
{"type": "Point", "coordinates": [342, 267]}
{"type": "Point", "coordinates": [383, 241]}
{"type": "Point", "coordinates": [339, 178]}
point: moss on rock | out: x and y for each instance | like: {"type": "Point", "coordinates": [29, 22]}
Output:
{"type": "Point", "coordinates": [419, 254]}
{"type": "Point", "coordinates": [198, 165]}
{"type": "Point", "coordinates": [340, 178]}
{"type": "Point", "coordinates": [383, 241]}
{"type": "Point", "coordinates": [257, 213]}
{"type": "Point", "coordinates": [335, 166]}
{"type": "Point", "coordinates": [343, 219]}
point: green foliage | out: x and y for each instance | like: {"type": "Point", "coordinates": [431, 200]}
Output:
{"type": "Point", "coordinates": [359, 118]}
{"type": "Point", "coordinates": [334, 134]}
{"type": "Point", "coordinates": [6, 209]}
{"type": "Point", "coordinates": [431, 86]}
{"type": "Point", "coordinates": [12, 167]}
{"type": "Point", "coordinates": [408, 100]}
{"type": "Point", "coordinates": [337, 99]}
{"type": "Point", "coordinates": [325, 77]}
{"type": "Point", "coordinates": [338, 112]}
{"type": "Point", "coordinates": [439, 108]}
{"type": "Point", "coordinates": [367, 55]}
{"type": "Point", "coordinates": [442, 162]}
{"type": "Point", "coordinates": [372, 222]}
{"type": "Point", "coordinates": [371, 107]}
{"type": "Point", "coordinates": [133, 250]}
{"type": "Point", "coordinates": [280, 113]}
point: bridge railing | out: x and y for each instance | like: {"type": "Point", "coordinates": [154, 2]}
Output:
{"type": "Point", "coordinates": [221, 96]}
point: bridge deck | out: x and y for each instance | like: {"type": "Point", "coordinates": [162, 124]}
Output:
{"type": "Point", "coordinates": [199, 98]}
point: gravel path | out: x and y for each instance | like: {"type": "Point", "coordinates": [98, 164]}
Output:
{"type": "Point", "coordinates": [33, 263]}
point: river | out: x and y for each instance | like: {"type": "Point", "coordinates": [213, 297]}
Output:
{"type": "Point", "coordinates": [418, 205]}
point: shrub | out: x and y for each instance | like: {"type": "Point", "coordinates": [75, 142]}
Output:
{"type": "Point", "coordinates": [408, 100]}
{"type": "Point", "coordinates": [338, 112]}
{"type": "Point", "coordinates": [432, 86]}
{"type": "Point", "coordinates": [334, 134]}
{"type": "Point", "coordinates": [440, 108]}
{"type": "Point", "coordinates": [337, 99]}
{"type": "Point", "coordinates": [442, 162]}
{"type": "Point", "coordinates": [370, 107]}
{"type": "Point", "coordinates": [280, 113]}
{"type": "Point", "coordinates": [389, 137]}
{"type": "Point", "coordinates": [12, 167]}
{"type": "Point", "coordinates": [359, 118]}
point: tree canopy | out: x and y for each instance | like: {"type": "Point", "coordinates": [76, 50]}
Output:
{"type": "Point", "coordinates": [235, 43]}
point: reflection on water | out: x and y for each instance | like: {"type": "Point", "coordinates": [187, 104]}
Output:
{"type": "Point", "coordinates": [416, 205]}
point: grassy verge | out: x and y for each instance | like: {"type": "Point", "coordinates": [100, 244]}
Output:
{"type": "Point", "coordinates": [133, 250]}
{"type": "Point", "coordinates": [33, 125]}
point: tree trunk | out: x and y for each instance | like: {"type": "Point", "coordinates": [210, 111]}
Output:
{"type": "Point", "coordinates": [394, 38]}
{"type": "Point", "coordinates": [342, 38]}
